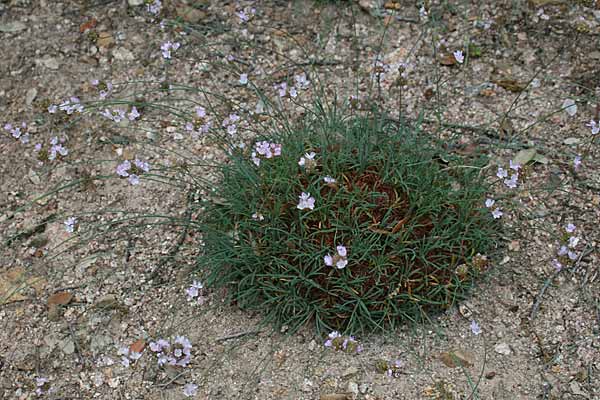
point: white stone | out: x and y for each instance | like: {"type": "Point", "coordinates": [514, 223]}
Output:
{"type": "Point", "coordinates": [502, 348]}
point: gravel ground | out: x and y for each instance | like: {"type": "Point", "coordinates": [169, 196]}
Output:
{"type": "Point", "coordinates": [67, 312]}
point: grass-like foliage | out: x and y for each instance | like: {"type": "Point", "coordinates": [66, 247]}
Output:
{"type": "Point", "coordinates": [410, 217]}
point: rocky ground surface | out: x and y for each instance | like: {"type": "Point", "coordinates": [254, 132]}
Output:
{"type": "Point", "coordinates": [81, 319]}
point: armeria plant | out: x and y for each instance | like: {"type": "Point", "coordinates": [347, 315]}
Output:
{"type": "Point", "coordinates": [351, 220]}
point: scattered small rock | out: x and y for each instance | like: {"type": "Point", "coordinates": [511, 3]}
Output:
{"type": "Point", "coordinates": [352, 389]}
{"type": "Point", "coordinates": [105, 40]}
{"type": "Point", "coordinates": [30, 96]}
{"type": "Point", "coordinates": [11, 27]}
{"type": "Point", "coordinates": [135, 3]}
{"type": "Point", "coordinates": [350, 371]}
{"type": "Point", "coordinates": [455, 358]}
{"type": "Point", "coordinates": [191, 14]}
{"type": "Point", "coordinates": [50, 63]}
{"type": "Point", "coordinates": [122, 54]}
{"type": "Point", "coordinates": [502, 348]}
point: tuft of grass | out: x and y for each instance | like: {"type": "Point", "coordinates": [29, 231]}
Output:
{"type": "Point", "coordinates": [411, 216]}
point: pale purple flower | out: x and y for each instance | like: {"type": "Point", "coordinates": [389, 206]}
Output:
{"type": "Point", "coordinates": [497, 213]}
{"type": "Point", "coordinates": [577, 162]}
{"type": "Point", "coordinates": [489, 202]}
{"type": "Point", "coordinates": [123, 168]}
{"type": "Point", "coordinates": [57, 149]}
{"type": "Point", "coordinates": [570, 228]}
{"type": "Point", "coordinates": [514, 166]}
{"type": "Point", "coordinates": [306, 201]}
{"type": "Point", "coordinates": [293, 92]}
{"type": "Point", "coordinates": [572, 255]}
{"type": "Point", "coordinates": [154, 7]}
{"type": "Point", "coordinates": [562, 250]}
{"type": "Point", "coordinates": [243, 16]}
{"type": "Point", "coordinates": [282, 89]}
{"type": "Point", "coordinates": [116, 114]}
{"type": "Point", "coordinates": [200, 112]}
{"type": "Point", "coordinates": [134, 114]}
{"type": "Point", "coordinates": [512, 182]}
{"type": "Point", "coordinates": [142, 165]}
{"type": "Point", "coordinates": [475, 328]}
{"type": "Point", "coordinates": [458, 56]}
{"type": "Point", "coordinates": [258, 217]}
{"type": "Point", "coordinates": [301, 81]}
{"type": "Point", "coordinates": [52, 109]}
{"type": "Point", "coordinates": [573, 241]}
{"type": "Point", "coordinates": [167, 47]}
{"type": "Point", "coordinates": [557, 265]}
{"type": "Point", "coordinates": [194, 290]}
{"type": "Point", "coordinates": [339, 260]}
{"type": "Point", "coordinates": [70, 224]}
{"type": "Point", "coordinates": [306, 158]}
{"type": "Point", "coordinates": [333, 335]}
{"type": "Point", "coordinates": [329, 179]}
{"type": "Point", "coordinates": [595, 127]}
{"type": "Point", "coordinates": [134, 179]}
{"type": "Point", "coordinates": [243, 79]}
{"type": "Point", "coordinates": [134, 355]}
{"type": "Point", "coordinates": [125, 362]}
{"type": "Point", "coordinates": [190, 390]}
{"type": "Point", "coordinates": [276, 147]}
{"type": "Point", "coordinates": [71, 105]}
{"type": "Point", "coordinates": [38, 147]}
{"type": "Point", "coordinates": [502, 173]}
{"type": "Point", "coordinates": [232, 129]}
{"type": "Point", "coordinates": [255, 159]}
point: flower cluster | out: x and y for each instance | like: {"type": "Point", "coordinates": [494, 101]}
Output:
{"type": "Point", "coordinates": [496, 212]}
{"type": "Point", "coordinates": [301, 82]}
{"type": "Point", "coordinates": [154, 6]}
{"type": "Point", "coordinates": [308, 161]}
{"type": "Point", "coordinates": [230, 123]}
{"type": "Point", "coordinates": [42, 385]}
{"type": "Point", "coordinates": [306, 201]}
{"type": "Point", "coordinates": [380, 68]}
{"type": "Point", "coordinates": [57, 150]}
{"type": "Point", "coordinates": [118, 115]}
{"type": "Point", "coordinates": [246, 15]}
{"type": "Point", "coordinates": [132, 172]}
{"type": "Point", "coordinates": [337, 341]}
{"type": "Point", "coordinates": [17, 132]}
{"type": "Point", "coordinates": [566, 252]}
{"type": "Point", "coordinates": [266, 150]}
{"type": "Point", "coordinates": [69, 106]}
{"type": "Point", "coordinates": [503, 174]}
{"type": "Point", "coordinates": [195, 292]}
{"type": "Point", "coordinates": [177, 353]}
{"type": "Point", "coordinates": [201, 125]}
{"type": "Point", "coordinates": [594, 126]}
{"type": "Point", "coordinates": [70, 224]}
{"type": "Point", "coordinates": [167, 47]}
{"type": "Point", "coordinates": [338, 260]}
{"type": "Point", "coordinates": [127, 356]}
{"type": "Point", "coordinates": [105, 88]}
